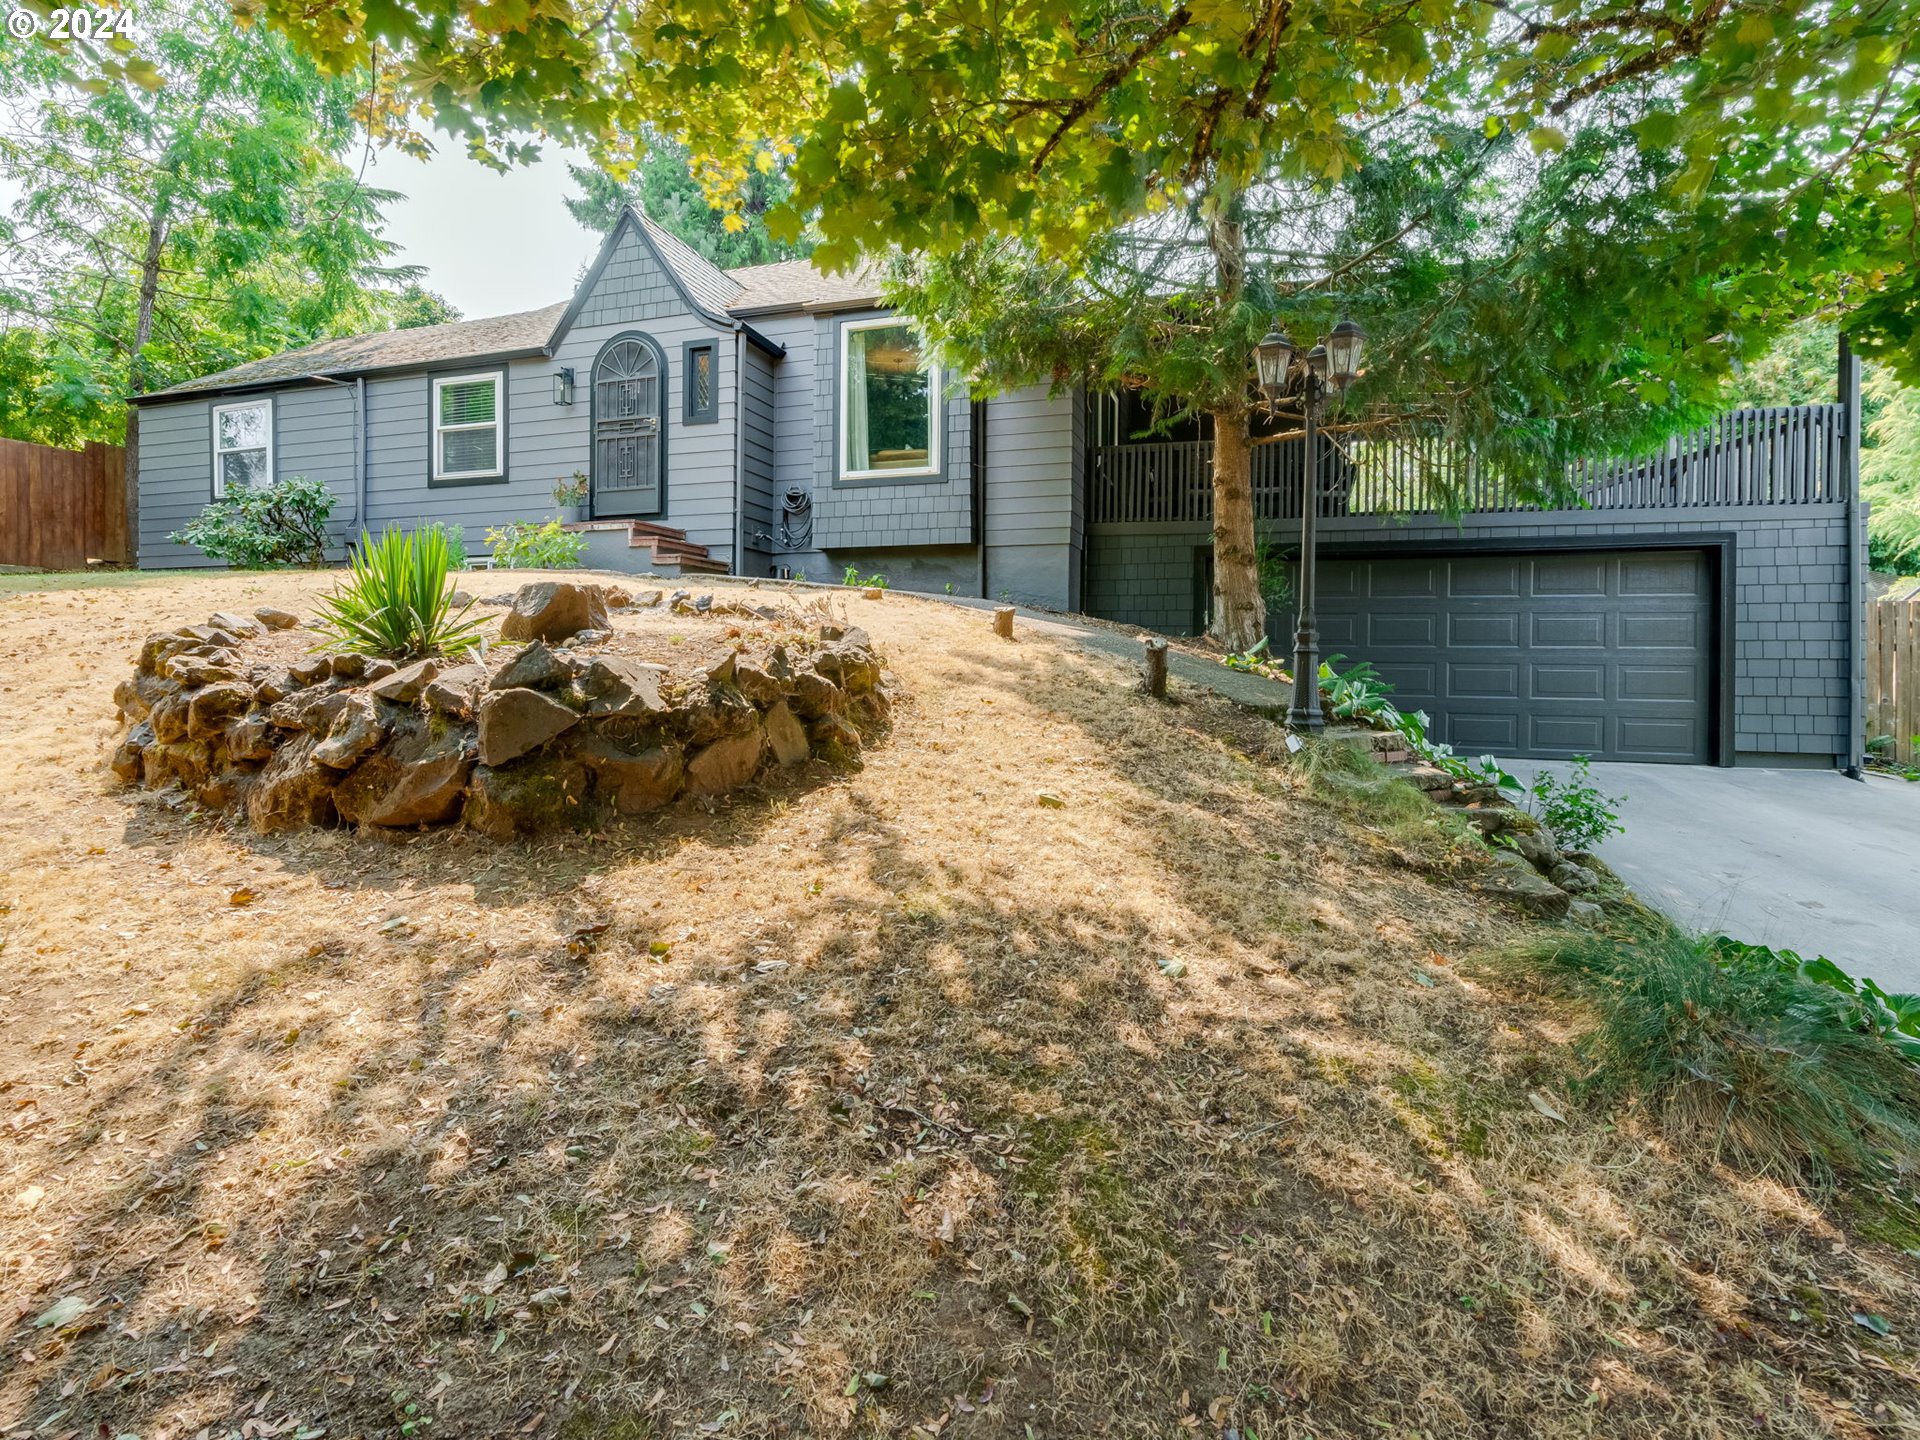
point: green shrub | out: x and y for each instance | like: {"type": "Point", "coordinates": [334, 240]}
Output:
{"type": "Point", "coordinates": [1747, 1049]}
{"type": "Point", "coordinates": [535, 545]}
{"type": "Point", "coordinates": [284, 523]}
{"type": "Point", "coordinates": [396, 600]}
{"type": "Point", "coordinates": [1358, 694]}
{"type": "Point", "coordinates": [1574, 809]}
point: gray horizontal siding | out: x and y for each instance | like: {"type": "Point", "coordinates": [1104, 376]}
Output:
{"type": "Point", "coordinates": [759, 441]}
{"type": "Point", "coordinates": [1032, 524]}
{"type": "Point", "coordinates": [312, 436]}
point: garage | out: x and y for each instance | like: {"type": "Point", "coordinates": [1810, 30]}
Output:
{"type": "Point", "coordinates": [1577, 652]}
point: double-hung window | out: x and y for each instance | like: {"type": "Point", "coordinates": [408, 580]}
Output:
{"type": "Point", "coordinates": [242, 446]}
{"type": "Point", "coordinates": [467, 430]}
{"type": "Point", "coordinates": [889, 403]}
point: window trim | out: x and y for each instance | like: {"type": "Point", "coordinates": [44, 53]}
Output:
{"type": "Point", "coordinates": [936, 405]}
{"type": "Point", "coordinates": [217, 479]}
{"type": "Point", "coordinates": [690, 414]}
{"type": "Point", "coordinates": [435, 382]}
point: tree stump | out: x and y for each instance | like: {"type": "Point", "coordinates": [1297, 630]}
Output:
{"type": "Point", "coordinates": [1003, 621]}
{"type": "Point", "coordinates": [1157, 668]}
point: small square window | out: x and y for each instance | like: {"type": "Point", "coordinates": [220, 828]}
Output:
{"type": "Point", "coordinates": [701, 383]}
{"type": "Point", "coordinates": [466, 427]}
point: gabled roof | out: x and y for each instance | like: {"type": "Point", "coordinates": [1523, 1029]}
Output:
{"type": "Point", "coordinates": [498, 338]}
{"type": "Point", "coordinates": [724, 298]}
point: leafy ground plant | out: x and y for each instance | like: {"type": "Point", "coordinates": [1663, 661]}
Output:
{"type": "Point", "coordinates": [852, 578]}
{"type": "Point", "coordinates": [396, 600]}
{"type": "Point", "coordinates": [535, 545]}
{"type": "Point", "coordinates": [1791, 1066]}
{"type": "Point", "coordinates": [1574, 809]}
{"type": "Point", "coordinates": [284, 523]}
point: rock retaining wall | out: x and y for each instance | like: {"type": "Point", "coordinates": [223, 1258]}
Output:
{"type": "Point", "coordinates": [541, 737]}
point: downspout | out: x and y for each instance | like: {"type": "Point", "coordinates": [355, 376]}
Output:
{"type": "Point", "coordinates": [739, 451]}
{"type": "Point", "coordinates": [1856, 564]}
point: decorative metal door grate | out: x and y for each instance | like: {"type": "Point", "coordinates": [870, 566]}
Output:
{"type": "Point", "coordinates": [626, 429]}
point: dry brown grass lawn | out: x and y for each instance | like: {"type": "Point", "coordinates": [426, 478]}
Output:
{"type": "Point", "coordinates": [873, 1110]}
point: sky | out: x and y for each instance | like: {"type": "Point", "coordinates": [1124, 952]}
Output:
{"type": "Point", "coordinates": [492, 244]}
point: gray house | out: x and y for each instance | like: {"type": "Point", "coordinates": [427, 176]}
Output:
{"type": "Point", "coordinates": [1700, 606]}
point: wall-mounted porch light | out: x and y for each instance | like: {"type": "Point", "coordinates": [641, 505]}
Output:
{"type": "Point", "coordinates": [563, 385]}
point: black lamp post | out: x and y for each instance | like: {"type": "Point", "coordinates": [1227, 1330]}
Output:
{"type": "Point", "coordinates": [1333, 365]}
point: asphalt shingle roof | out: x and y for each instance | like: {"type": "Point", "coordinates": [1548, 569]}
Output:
{"type": "Point", "coordinates": [796, 285]}
{"type": "Point", "coordinates": [527, 332]}
{"type": "Point", "coordinates": [748, 290]}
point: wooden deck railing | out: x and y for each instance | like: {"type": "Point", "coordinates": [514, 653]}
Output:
{"type": "Point", "coordinates": [1785, 456]}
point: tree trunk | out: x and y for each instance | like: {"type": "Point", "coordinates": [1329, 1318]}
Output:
{"type": "Point", "coordinates": [137, 366]}
{"type": "Point", "coordinates": [1239, 614]}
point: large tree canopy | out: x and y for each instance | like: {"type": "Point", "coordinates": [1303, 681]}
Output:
{"type": "Point", "coordinates": [193, 213]}
{"type": "Point", "coordinates": [940, 125]}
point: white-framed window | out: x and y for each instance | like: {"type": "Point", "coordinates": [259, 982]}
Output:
{"type": "Point", "coordinates": [242, 446]}
{"type": "Point", "coordinates": [889, 402]}
{"type": "Point", "coordinates": [467, 426]}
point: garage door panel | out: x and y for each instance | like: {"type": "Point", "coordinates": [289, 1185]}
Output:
{"type": "Point", "coordinates": [1483, 682]}
{"type": "Point", "coordinates": [1484, 579]}
{"type": "Point", "coordinates": [1607, 653]}
{"type": "Point", "coordinates": [1337, 632]}
{"type": "Point", "coordinates": [1658, 682]}
{"type": "Point", "coordinates": [1468, 730]}
{"type": "Point", "coordinates": [1560, 575]}
{"type": "Point", "coordinates": [1417, 578]}
{"type": "Point", "coordinates": [1567, 734]}
{"type": "Point", "coordinates": [1468, 630]}
{"type": "Point", "coordinates": [1569, 631]}
{"type": "Point", "coordinates": [1656, 573]}
{"type": "Point", "coordinates": [1670, 631]}
{"type": "Point", "coordinates": [1646, 738]}
{"type": "Point", "coordinates": [1389, 629]}
{"type": "Point", "coordinates": [1568, 682]}
{"type": "Point", "coordinates": [1412, 681]}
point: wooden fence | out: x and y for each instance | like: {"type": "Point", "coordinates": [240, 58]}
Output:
{"type": "Point", "coordinates": [61, 508]}
{"type": "Point", "coordinates": [1893, 675]}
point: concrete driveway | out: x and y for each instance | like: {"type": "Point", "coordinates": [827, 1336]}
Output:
{"type": "Point", "coordinates": [1802, 859]}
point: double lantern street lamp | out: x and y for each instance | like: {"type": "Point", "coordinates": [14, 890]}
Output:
{"type": "Point", "coordinates": [1333, 365]}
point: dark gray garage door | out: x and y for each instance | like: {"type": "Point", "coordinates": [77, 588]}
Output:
{"type": "Point", "coordinates": [1597, 653]}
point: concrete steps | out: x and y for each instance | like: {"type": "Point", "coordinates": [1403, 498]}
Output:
{"type": "Point", "coordinates": [642, 547]}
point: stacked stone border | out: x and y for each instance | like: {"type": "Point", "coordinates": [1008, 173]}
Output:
{"type": "Point", "coordinates": [549, 734]}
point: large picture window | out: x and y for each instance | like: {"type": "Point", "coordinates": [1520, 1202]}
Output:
{"type": "Point", "coordinates": [466, 427]}
{"type": "Point", "coordinates": [242, 446]}
{"type": "Point", "coordinates": [889, 403]}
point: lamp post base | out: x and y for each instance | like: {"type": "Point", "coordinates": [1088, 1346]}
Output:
{"type": "Point", "coordinates": [1304, 712]}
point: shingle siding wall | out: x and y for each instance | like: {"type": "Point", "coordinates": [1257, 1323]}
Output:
{"type": "Point", "coordinates": [1792, 677]}
{"type": "Point", "coordinates": [866, 515]}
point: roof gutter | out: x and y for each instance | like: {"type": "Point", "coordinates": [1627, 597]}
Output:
{"type": "Point", "coordinates": [335, 377]}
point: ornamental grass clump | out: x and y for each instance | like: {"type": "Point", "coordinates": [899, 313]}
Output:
{"type": "Point", "coordinates": [1761, 1060]}
{"type": "Point", "coordinates": [396, 600]}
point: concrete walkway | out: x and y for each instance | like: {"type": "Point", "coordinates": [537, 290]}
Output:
{"type": "Point", "coordinates": [1806, 860]}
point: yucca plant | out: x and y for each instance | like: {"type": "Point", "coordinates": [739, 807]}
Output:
{"type": "Point", "coordinates": [396, 601]}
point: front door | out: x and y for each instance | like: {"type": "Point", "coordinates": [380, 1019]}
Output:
{"type": "Point", "coordinates": [628, 447]}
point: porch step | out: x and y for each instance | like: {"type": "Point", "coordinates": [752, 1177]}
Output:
{"type": "Point", "coordinates": [658, 549]}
